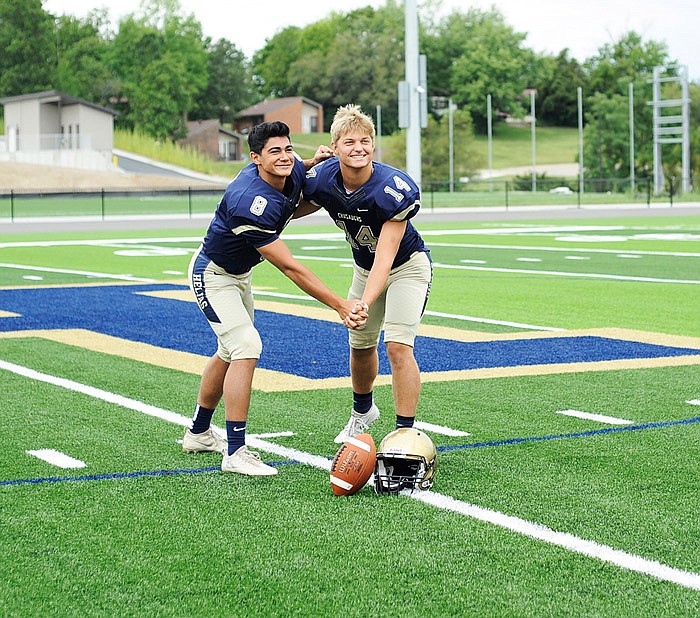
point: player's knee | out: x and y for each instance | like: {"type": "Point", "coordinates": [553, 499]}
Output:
{"type": "Point", "coordinates": [240, 342]}
{"type": "Point", "coordinates": [404, 334]}
{"type": "Point", "coordinates": [399, 354]}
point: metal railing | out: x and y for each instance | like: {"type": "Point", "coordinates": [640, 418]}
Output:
{"type": "Point", "coordinates": [554, 191]}
{"type": "Point", "coordinates": [103, 203]}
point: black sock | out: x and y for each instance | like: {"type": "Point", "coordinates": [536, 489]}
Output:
{"type": "Point", "coordinates": [201, 419]}
{"type": "Point", "coordinates": [361, 402]}
{"type": "Point", "coordinates": [235, 432]}
{"type": "Point", "coordinates": [404, 421]}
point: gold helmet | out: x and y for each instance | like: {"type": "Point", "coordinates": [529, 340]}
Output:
{"type": "Point", "coordinates": [406, 459]}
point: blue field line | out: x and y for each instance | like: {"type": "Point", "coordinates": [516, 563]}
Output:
{"type": "Point", "coordinates": [122, 475]}
{"type": "Point", "coordinates": [580, 434]}
{"type": "Point", "coordinates": [456, 447]}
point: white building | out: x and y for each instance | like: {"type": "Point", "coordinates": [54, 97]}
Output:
{"type": "Point", "coordinates": [54, 128]}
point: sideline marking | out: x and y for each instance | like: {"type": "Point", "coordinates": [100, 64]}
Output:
{"type": "Point", "coordinates": [631, 562]}
{"type": "Point", "coordinates": [56, 458]}
{"type": "Point", "coordinates": [605, 553]}
{"type": "Point", "coordinates": [694, 402]}
{"type": "Point", "coordinates": [601, 418]}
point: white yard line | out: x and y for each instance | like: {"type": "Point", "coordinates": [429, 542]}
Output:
{"type": "Point", "coordinates": [468, 318]}
{"type": "Point", "coordinates": [562, 249]}
{"type": "Point", "coordinates": [557, 273]}
{"type": "Point", "coordinates": [601, 418]}
{"type": "Point", "coordinates": [445, 431]}
{"type": "Point", "coordinates": [532, 530]}
{"type": "Point", "coordinates": [438, 314]}
{"type": "Point", "coordinates": [56, 458]}
{"type": "Point", "coordinates": [316, 236]}
{"type": "Point", "coordinates": [85, 273]}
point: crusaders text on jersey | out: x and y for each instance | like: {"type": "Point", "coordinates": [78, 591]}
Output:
{"type": "Point", "coordinates": [389, 195]}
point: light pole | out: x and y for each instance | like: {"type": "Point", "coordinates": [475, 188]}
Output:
{"type": "Point", "coordinates": [413, 87]}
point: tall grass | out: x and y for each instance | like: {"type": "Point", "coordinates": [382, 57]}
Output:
{"type": "Point", "coordinates": [512, 146]}
{"type": "Point", "coordinates": [169, 152]}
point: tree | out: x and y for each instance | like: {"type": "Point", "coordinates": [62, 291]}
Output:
{"type": "Point", "coordinates": [82, 69]}
{"type": "Point", "coordinates": [557, 94]}
{"type": "Point", "coordinates": [474, 54]}
{"type": "Point", "coordinates": [160, 99]}
{"type": "Point", "coordinates": [611, 69]}
{"type": "Point", "coordinates": [27, 61]}
{"type": "Point", "coordinates": [229, 88]}
{"type": "Point", "coordinates": [159, 49]}
{"type": "Point", "coordinates": [605, 139]}
{"type": "Point", "coordinates": [314, 61]}
{"type": "Point", "coordinates": [271, 63]}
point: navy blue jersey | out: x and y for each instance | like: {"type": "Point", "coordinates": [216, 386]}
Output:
{"type": "Point", "coordinates": [389, 195]}
{"type": "Point", "coordinates": [251, 214]}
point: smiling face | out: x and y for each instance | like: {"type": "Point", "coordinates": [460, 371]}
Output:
{"type": "Point", "coordinates": [354, 149]}
{"type": "Point", "coordinates": [275, 161]}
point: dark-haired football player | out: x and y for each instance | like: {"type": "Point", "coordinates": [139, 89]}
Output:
{"type": "Point", "coordinates": [373, 204]}
{"type": "Point", "coordinates": [245, 230]}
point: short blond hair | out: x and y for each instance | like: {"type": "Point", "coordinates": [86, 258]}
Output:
{"type": "Point", "coordinates": [351, 118]}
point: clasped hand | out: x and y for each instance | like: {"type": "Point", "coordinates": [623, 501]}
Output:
{"type": "Point", "coordinates": [357, 318]}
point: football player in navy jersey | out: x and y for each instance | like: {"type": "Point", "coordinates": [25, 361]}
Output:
{"type": "Point", "coordinates": [373, 204]}
{"type": "Point", "coordinates": [245, 230]}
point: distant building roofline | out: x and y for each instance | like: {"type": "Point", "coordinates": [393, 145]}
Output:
{"type": "Point", "coordinates": [51, 96]}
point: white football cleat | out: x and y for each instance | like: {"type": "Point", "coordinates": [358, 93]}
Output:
{"type": "Point", "coordinates": [358, 423]}
{"type": "Point", "coordinates": [247, 462]}
{"type": "Point", "coordinates": [207, 441]}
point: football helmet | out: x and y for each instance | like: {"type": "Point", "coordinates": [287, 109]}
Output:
{"type": "Point", "coordinates": [406, 459]}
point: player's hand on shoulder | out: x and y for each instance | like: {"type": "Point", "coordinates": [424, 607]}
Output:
{"type": "Point", "coordinates": [323, 152]}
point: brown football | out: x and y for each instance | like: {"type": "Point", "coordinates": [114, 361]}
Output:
{"type": "Point", "coordinates": [353, 464]}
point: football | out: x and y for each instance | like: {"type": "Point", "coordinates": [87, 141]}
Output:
{"type": "Point", "coordinates": [353, 464]}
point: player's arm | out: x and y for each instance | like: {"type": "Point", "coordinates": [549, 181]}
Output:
{"type": "Point", "coordinates": [322, 153]}
{"type": "Point", "coordinates": [278, 254]}
{"type": "Point", "coordinates": [304, 208]}
{"type": "Point", "coordinates": [387, 246]}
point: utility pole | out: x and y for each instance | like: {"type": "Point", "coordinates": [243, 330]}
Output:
{"type": "Point", "coordinates": [579, 94]}
{"type": "Point", "coordinates": [631, 102]}
{"type": "Point", "coordinates": [489, 132]}
{"type": "Point", "coordinates": [534, 144]}
{"type": "Point", "coordinates": [413, 91]}
{"type": "Point", "coordinates": [451, 140]}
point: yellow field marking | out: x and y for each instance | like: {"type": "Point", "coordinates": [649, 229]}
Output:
{"type": "Point", "coordinates": [9, 314]}
{"type": "Point", "coordinates": [270, 381]}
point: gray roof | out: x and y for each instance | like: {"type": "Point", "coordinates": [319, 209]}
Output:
{"type": "Point", "coordinates": [56, 96]}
